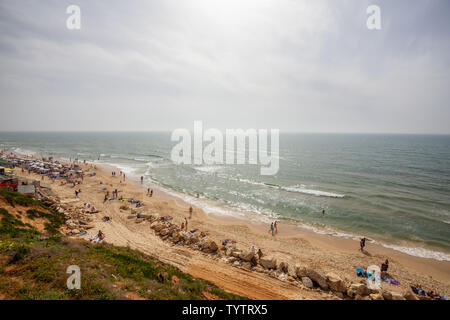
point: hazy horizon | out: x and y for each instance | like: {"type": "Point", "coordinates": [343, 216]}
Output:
{"type": "Point", "coordinates": [154, 66]}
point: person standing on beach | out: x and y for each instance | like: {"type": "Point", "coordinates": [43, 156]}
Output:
{"type": "Point", "coordinates": [260, 254]}
{"type": "Point", "coordinates": [275, 224]}
{"type": "Point", "coordinates": [384, 268]}
{"type": "Point", "coordinates": [76, 193]}
{"type": "Point", "coordinates": [271, 227]}
{"type": "Point", "coordinates": [124, 177]}
{"type": "Point", "coordinates": [186, 223]}
{"type": "Point", "coordinates": [151, 193]}
{"type": "Point", "coordinates": [142, 179]}
{"type": "Point", "coordinates": [362, 244]}
{"type": "Point", "coordinates": [190, 212]}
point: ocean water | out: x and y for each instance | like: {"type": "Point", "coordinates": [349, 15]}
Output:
{"type": "Point", "coordinates": [393, 189]}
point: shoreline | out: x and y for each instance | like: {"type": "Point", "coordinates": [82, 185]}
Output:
{"type": "Point", "coordinates": [294, 227]}
{"type": "Point", "coordinates": [218, 209]}
{"type": "Point", "coordinates": [329, 253]}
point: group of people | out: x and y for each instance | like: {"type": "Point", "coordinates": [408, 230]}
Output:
{"type": "Point", "coordinates": [89, 209]}
{"type": "Point", "coordinates": [274, 227]}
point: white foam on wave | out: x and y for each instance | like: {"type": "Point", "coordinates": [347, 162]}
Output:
{"type": "Point", "coordinates": [419, 252]}
{"type": "Point", "coordinates": [125, 169]}
{"type": "Point", "coordinates": [317, 193]}
{"type": "Point", "coordinates": [208, 169]}
{"type": "Point", "coordinates": [412, 251]}
{"type": "Point", "coordinates": [24, 152]}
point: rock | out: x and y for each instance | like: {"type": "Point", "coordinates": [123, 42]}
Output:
{"type": "Point", "coordinates": [258, 269]}
{"type": "Point", "coordinates": [357, 289]}
{"type": "Point", "coordinates": [163, 232]}
{"type": "Point", "coordinates": [409, 295]}
{"type": "Point", "coordinates": [247, 265]}
{"type": "Point", "coordinates": [307, 282]}
{"type": "Point", "coordinates": [340, 295]}
{"type": "Point", "coordinates": [208, 246]}
{"type": "Point", "coordinates": [318, 278]}
{"type": "Point", "coordinates": [291, 272]}
{"type": "Point", "coordinates": [268, 263]}
{"type": "Point", "coordinates": [212, 246]}
{"type": "Point", "coordinates": [284, 267]}
{"type": "Point", "coordinates": [158, 227]}
{"type": "Point", "coordinates": [386, 295]}
{"type": "Point", "coordinates": [235, 253]}
{"type": "Point", "coordinates": [153, 224]}
{"type": "Point", "coordinates": [232, 259]}
{"type": "Point", "coordinates": [376, 296]}
{"type": "Point", "coordinates": [300, 271]}
{"type": "Point", "coordinates": [75, 231]}
{"type": "Point", "coordinates": [336, 283]}
{"type": "Point", "coordinates": [175, 279]}
{"type": "Point", "coordinates": [283, 276]}
{"type": "Point", "coordinates": [236, 263]}
{"type": "Point", "coordinates": [246, 256]}
{"type": "Point", "coordinates": [397, 296]}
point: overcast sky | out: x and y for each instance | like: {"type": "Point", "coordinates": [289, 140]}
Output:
{"type": "Point", "coordinates": [308, 66]}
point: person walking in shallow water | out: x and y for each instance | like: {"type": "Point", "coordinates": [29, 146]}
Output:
{"type": "Point", "coordinates": [271, 228]}
{"type": "Point", "coordinates": [362, 244]}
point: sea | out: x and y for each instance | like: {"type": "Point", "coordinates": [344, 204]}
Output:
{"type": "Point", "coordinates": [392, 189]}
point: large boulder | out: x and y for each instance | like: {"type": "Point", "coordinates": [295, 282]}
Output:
{"type": "Point", "coordinates": [235, 253]}
{"type": "Point", "coordinates": [376, 296]}
{"type": "Point", "coordinates": [268, 263]}
{"type": "Point", "coordinates": [164, 232]}
{"type": "Point", "coordinates": [318, 278]}
{"type": "Point", "coordinates": [409, 295]}
{"type": "Point", "coordinates": [300, 271]}
{"type": "Point", "coordinates": [209, 246]}
{"type": "Point", "coordinates": [386, 295]}
{"type": "Point", "coordinates": [307, 282]}
{"type": "Point", "coordinates": [246, 256]}
{"type": "Point", "coordinates": [336, 283]}
{"type": "Point", "coordinates": [397, 296]}
{"type": "Point", "coordinates": [359, 289]}
{"type": "Point", "coordinates": [283, 267]}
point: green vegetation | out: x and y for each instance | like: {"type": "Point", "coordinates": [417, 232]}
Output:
{"type": "Point", "coordinates": [33, 265]}
{"type": "Point", "coordinates": [15, 198]}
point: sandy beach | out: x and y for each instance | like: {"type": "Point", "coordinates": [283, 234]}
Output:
{"type": "Point", "coordinates": [293, 245]}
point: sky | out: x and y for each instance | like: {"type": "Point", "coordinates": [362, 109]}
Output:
{"type": "Point", "coordinates": [158, 65]}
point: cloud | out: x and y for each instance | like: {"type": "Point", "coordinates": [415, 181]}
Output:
{"type": "Point", "coordinates": [159, 65]}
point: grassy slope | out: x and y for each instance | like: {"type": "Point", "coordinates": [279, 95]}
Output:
{"type": "Point", "coordinates": [33, 264]}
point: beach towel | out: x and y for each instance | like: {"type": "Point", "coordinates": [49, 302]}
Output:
{"type": "Point", "coordinates": [82, 234]}
{"type": "Point", "coordinates": [360, 272]}
{"type": "Point", "coordinates": [194, 230]}
{"type": "Point", "coordinates": [391, 281]}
